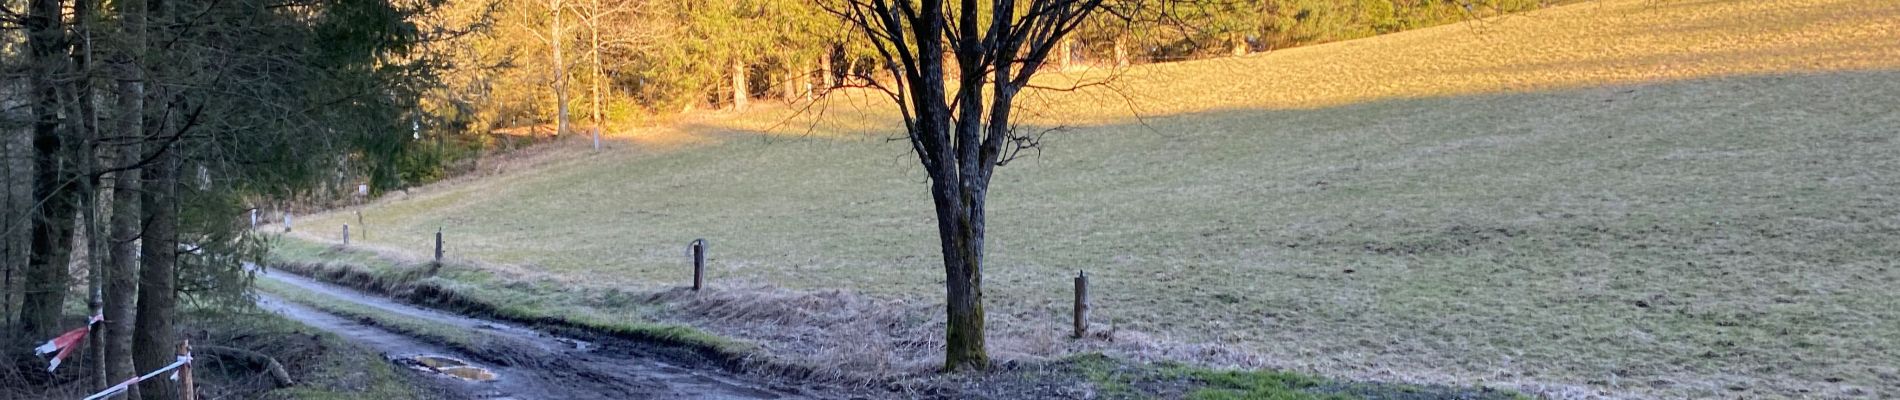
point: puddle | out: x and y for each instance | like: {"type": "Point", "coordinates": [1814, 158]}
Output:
{"type": "Point", "coordinates": [578, 344]}
{"type": "Point", "coordinates": [449, 366]}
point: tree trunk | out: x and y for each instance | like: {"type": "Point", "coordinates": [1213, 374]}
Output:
{"type": "Point", "coordinates": [123, 264]}
{"type": "Point", "coordinates": [7, 226]}
{"type": "Point", "coordinates": [594, 32]}
{"type": "Point", "coordinates": [740, 93]}
{"type": "Point", "coordinates": [961, 233]}
{"type": "Point", "coordinates": [804, 81]}
{"type": "Point", "coordinates": [18, 193]}
{"type": "Point", "coordinates": [153, 344]}
{"type": "Point", "coordinates": [850, 69]}
{"type": "Point", "coordinates": [122, 267]}
{"type": "Point", "coordinates": [560, 69]}
{"type": "Point", "coordinates": [1121, 52]}
{"type": "Point", "coordinates": [1065, 54]}
{"type": "Point", "coordinates": [790, 86]}
{"type": "Point", "coordinates": [829, 78]}
{"type": "Point", "coordinates": [46, 276]}
{"type": "Point", "coordinates": [85, 93]}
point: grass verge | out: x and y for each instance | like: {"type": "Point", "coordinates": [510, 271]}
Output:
{"type": "Point", "coordinates": [1115, 378]}
{"type": "Point", "coordinates": [467, 290]}
{"type": "Point", "coordinates": [1111, 377]}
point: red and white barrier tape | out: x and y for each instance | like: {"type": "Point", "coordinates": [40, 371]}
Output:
{"type": "Point", "coordinates": [65, 342]}
{"type": "Point", "coordinates": [123, 386]}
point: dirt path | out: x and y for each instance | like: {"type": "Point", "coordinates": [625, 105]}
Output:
{"type": "Point", "coordinates": [528, 364]}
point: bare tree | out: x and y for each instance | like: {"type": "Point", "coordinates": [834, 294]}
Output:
{"type": "Point", "coordinates": [592, 19]}
{"type": "Point", "coordinates": [556, 37]}
{"type": "Point", "coordinates": [611, 25]}
{"type": "Point", "coordinates": [961, 133]}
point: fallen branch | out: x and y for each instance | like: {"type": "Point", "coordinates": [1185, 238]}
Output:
{"type": "Point", "coordinates": [278, 374]}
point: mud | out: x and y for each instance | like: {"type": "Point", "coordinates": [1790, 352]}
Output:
{"type": "Point", "coordinates": [448, 366]}
{"type": "Point", "coordinates": [523, 363]}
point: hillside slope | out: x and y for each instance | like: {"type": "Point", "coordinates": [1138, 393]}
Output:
{"type": "Point", "coordinates": [1622, 197]}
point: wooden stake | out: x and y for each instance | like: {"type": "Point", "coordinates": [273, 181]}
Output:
{"type": "Point", "coordinates": [186, 386]}
{"type": "Point", "coordinates": [699, 263]}
{"type": "Point", "coordinates": [438, 245]}
{"type": "Point", "coordinates": [346, 234]}
{"type": "Point", "coordinates": [1081, 304]}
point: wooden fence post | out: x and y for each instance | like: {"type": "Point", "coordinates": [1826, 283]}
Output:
{"type": "Point", "coordinates": [699, 263]}
{"type": "Point", "coordinates": [346, 234]}
{"type": "Point", "coordinates": [438, 245]}
{"type": "Point", "coordinates": [286, 222]}
{"type": "Point", "coordinates": [186, 386]}
{"type": "Point", "coordinates": [253, 218]}
{"type": "Point", "coordinates": [1081, 304]}
{"type": "Point", "coordinates": [596, 139]}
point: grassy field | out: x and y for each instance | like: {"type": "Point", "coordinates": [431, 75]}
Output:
{"type": "Point", "coordinates": [1622, 197]}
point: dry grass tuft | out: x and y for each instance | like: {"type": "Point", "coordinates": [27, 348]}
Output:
{"type": "Point", "coordinates": [844, 335]}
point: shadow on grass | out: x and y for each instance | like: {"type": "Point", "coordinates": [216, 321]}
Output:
{"type": "Point", "coordinates": [1435, 236]}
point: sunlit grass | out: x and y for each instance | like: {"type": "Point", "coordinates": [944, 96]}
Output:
{"type": "Point", "coordinates": [1665, 198]}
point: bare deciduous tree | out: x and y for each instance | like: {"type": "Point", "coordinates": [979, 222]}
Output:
{"type": "Point", "coordinates": [957, 118]}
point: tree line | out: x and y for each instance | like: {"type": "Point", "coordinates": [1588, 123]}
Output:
{"type": "Point", "coordinates": [138, 133]}
{"type": "Point", "coordinates": [567, 63]}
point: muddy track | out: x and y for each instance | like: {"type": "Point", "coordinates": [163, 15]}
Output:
{"type": "Point", "coordinates": [526, 363]}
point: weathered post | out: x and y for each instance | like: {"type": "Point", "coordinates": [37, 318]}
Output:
{"type": "Point", "coordinates": [596, 138]}
{"type": "Point", "coordinates": [186, 386]}
{"type": "Point", "coordinates": [253, 218]}
{"type": "Point", "coordinates": [286, 222]}
{"type": "Point", "coordinates": [699, 263]}
{"type": "Point", "coordinates": [346, 234]}
{"type": "Point", "coordinates": [438, 245]}
{"type": "Point", "coordinates": [360, 225]}
{"type": "Point", "coordinates": [1081, 304]}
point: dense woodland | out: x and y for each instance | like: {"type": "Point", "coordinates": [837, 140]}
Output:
{"type": "Point", "coordinates": [139, 134]}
